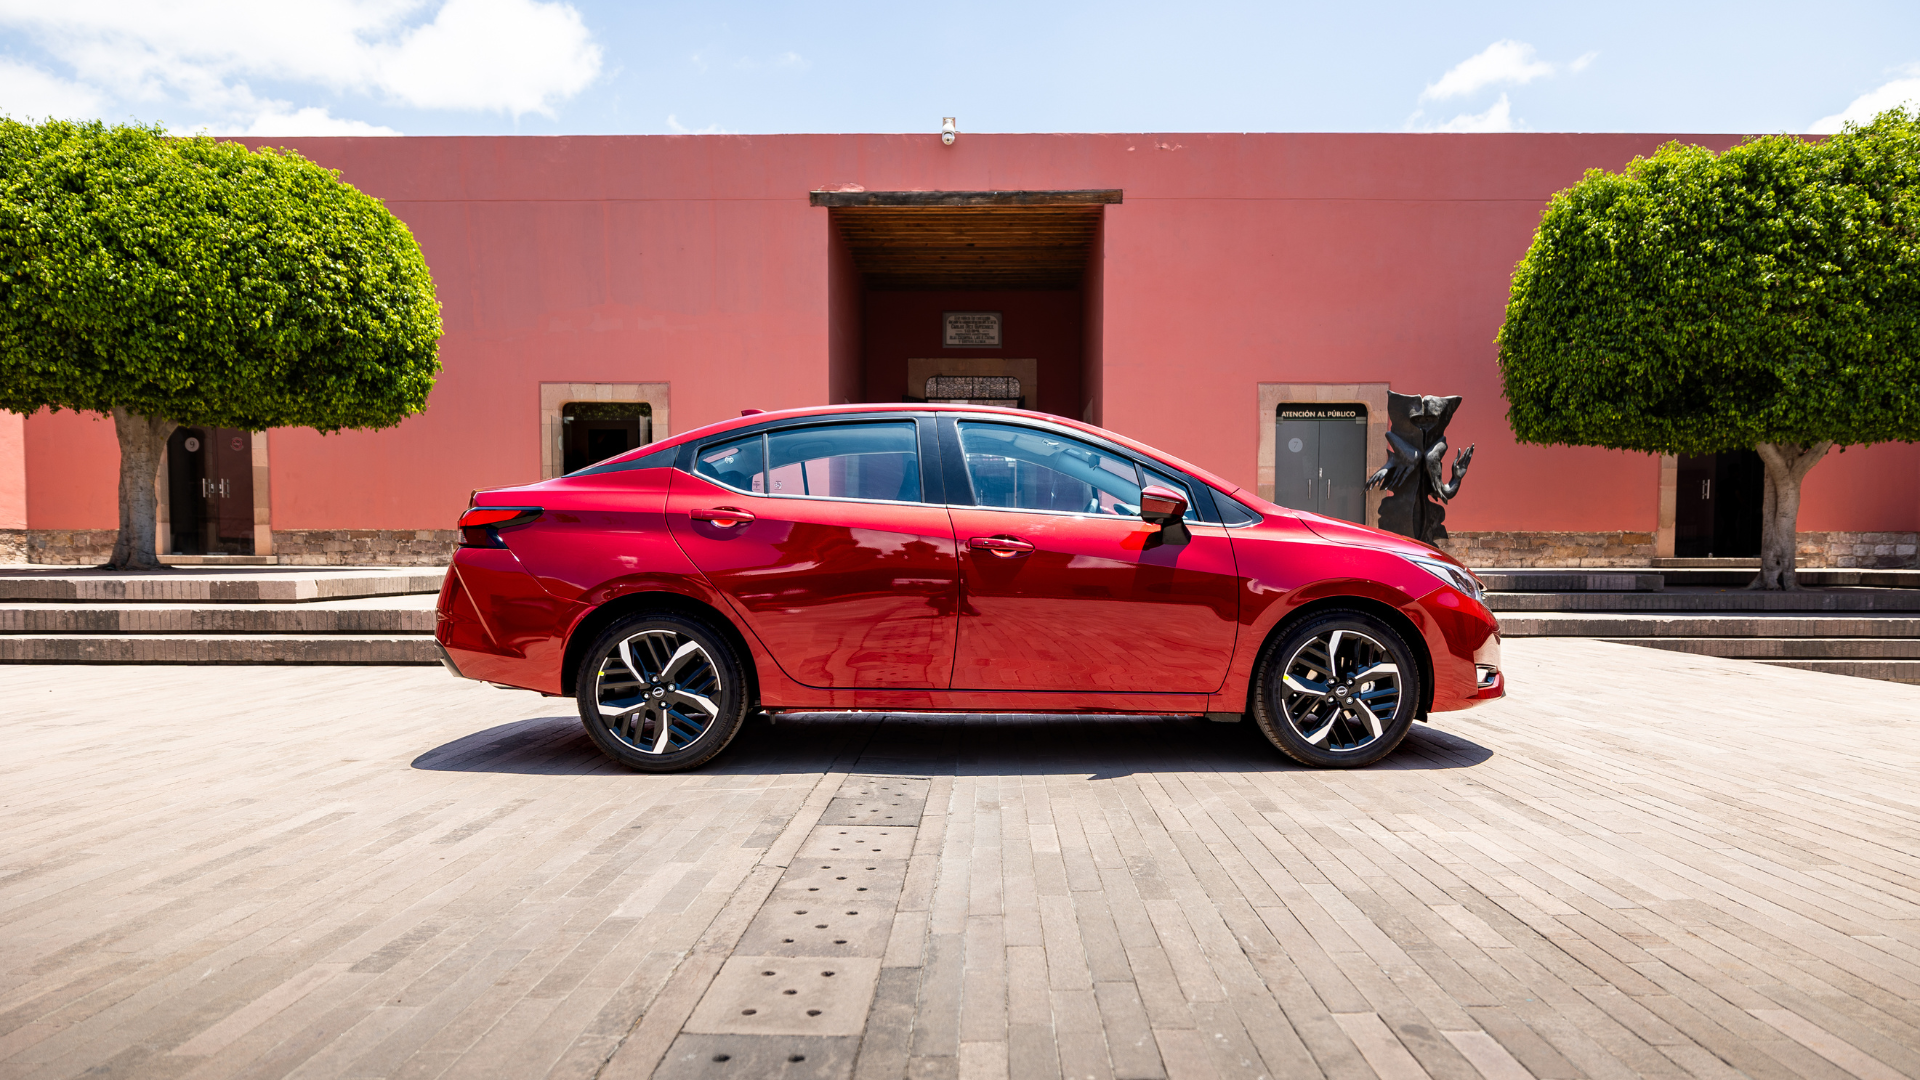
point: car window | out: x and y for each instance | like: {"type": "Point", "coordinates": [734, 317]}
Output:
{"type": "Point", "coordinates": [1036, 470]}
{"type": "Point", "coordinates": [846, 461]}
{"type": "Point", "coordinates": [739, 464]}
{"type": "Point", "coordinates": [1155, 476]}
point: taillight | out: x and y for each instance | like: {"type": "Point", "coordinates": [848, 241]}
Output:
{"type": "Point", "coordinates": [481, 525]}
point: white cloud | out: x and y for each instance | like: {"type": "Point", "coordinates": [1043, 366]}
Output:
{"type": "Point", "coordinates": [1870, 104]}
{"type": "Point", "coordinates": [513, 56]}
{"type": "Point", "coordinates": [27, 93]}
{"type": "Point", "coordinates": [1498, 117]}
{"type": "Point", "coordinates": [674, 125]}
{"type": "Point", "coordinates": [309, 121]}
{"type": "Point", "coordinates": [1500, 62]}
{"type": "Point", "coordinates": [507, 56]}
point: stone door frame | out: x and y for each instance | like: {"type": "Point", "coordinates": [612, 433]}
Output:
{"type": "Point", "coordinates": [554, 395]}
{"type": "Point", "coordinates": [1272, 395]}
{"type": "Point", "coordinates": [262, 500]}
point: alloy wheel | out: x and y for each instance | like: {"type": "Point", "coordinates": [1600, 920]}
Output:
{"type": "Point", "coordinates": [658, 691]}
{"type": "Point", "coordinates": [1340, 690]}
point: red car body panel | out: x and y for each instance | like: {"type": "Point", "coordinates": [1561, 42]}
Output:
{"type": "Point", "coordinates": [849, 604]}
{"type": "Point", "coordinates": [844, 594]}
{"type": "Point", "coordinates": [1091, 607]}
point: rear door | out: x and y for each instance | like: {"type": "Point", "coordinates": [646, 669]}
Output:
{"type": "Point", "coordinates": [1060, 588]}
{"type": "Point", "coordinates": [823, 539]}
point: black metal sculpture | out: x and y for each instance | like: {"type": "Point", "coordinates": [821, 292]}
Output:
{"type": "Point", "coordinates": [1417, 446]}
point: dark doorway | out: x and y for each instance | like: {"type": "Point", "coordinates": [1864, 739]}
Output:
{"type": "Point", "coordinates": [597, 430]}
{"type": "Point", "coordinates": [1718, 505]}
{"type": "Point", "coordinates": [966, 295]}
{"type": "Point", "coordinates": [1320, 460]}
{"type": "Point", "coordinates": [210, 491]}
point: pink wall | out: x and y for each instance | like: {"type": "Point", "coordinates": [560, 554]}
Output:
{"type": "Point", "coordinates": [1234, 260]}
{"type": "Point", "coordinates": [73, 471]}
{"type": "Point", "coordinates": [13, 471]}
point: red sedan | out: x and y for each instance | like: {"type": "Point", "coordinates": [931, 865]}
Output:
{"type": "Point", "coordinates": [949, 558]}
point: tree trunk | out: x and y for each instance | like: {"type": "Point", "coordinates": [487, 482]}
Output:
{"type": "Point", "coordinates": [1787, 465]}
{"type": "Point", "coordinates": [143, 439]}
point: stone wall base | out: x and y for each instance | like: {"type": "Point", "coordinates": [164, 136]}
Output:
{"type": "Point", "coordinates": [1860, 550]}
{"type": "Point", "coordinates": [1514, 549]}
{"type": "Point", "coordinates": [1816, 550]}
{"type": "Point", "coordinates": [293, 547]}
{"type": "Point", "coordinates": [365, 547]}
{"type": "Point", "coordinates": [434, 547]}
{"type": "Point", "coordinates": [81, 547]}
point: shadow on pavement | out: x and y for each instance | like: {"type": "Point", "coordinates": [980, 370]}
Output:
{"type": "Point", "coordinates": [1103, 748]}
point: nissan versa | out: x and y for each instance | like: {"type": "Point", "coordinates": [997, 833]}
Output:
{"type": "Point", "coordinates": [949, 558]}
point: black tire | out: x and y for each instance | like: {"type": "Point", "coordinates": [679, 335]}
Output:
{"type": "Point", "coordinates": [653, 716]}
{"type": "Point", "coordinates": [1343, 722]}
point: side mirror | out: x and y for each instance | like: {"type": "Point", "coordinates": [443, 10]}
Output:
{"type": "Point", "coordinates": [1166, 508]}
{"type": "Point", "coordinates": [1161, 505]}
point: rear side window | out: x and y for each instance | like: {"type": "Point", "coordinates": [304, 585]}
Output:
{"type": "Point", "coordinates": [740, 465]}
{"type": "Point", "coordinates": [846, 461]}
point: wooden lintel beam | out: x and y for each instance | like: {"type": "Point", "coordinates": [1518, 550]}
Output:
{"type": "Point", "coordinates": [1088, 197]}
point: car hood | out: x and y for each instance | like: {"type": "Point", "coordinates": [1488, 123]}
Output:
{"type": "Point", "coordinates": [1337, 531]}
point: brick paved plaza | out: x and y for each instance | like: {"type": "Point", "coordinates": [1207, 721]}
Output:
{"type": "Point", "coordinates": [1642, 864]}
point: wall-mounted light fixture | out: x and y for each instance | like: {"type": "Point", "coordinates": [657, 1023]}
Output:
{"type": "Point", "coordinates": [947, 130]}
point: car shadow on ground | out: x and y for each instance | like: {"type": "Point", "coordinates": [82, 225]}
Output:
{"type": "Point", "coordinates": [909, 745]}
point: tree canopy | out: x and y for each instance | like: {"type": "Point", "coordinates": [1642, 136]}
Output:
{"type": "Point", "coordinates": [204, 283]}
{"type": "Point", "coordinates": [1697, 302]}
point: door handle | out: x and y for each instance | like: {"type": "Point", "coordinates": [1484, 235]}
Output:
{"type": "Point", "coordinates": [1003, 547]}
{"type": "Point", "coordinates": [723, 517]}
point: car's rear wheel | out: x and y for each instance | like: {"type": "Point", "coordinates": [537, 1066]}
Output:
{"type": "Point", "coordinates": [661, 693]}
{"type": "Point", "coordinates": [1338, 691]}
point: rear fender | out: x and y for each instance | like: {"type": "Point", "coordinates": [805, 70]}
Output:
{"type": "Point", "coordinates": [638, 593]}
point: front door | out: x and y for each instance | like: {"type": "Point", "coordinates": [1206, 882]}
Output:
{"type": "Point", "coordinates": [819, 537]}
{"type": "Point", "coordinates": [210, 491]}
{"type": "Point", "coordinates": [1320, 460]}
{"type": "Point", "coordinates": [1718, 505]}
{"type": "Point", "coordinates": [1059, 588]}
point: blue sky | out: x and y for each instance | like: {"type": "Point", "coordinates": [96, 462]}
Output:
{"type": "Point", "coordinates": [423, 67]}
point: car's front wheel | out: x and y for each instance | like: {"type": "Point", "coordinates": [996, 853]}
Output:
{"type": "Point", "coordinates": [661, 693]}
{"type": "Point", "coordinates": [1337, 691]}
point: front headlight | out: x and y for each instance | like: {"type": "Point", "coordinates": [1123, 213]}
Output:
{"type": "Point", "coordinates": [1458, 577]}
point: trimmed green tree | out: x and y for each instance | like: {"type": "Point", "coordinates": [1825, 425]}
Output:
{"type": "Point", "coordinates": [189, 281]}
{"type": "Point", "coordinates": [1767, 297]}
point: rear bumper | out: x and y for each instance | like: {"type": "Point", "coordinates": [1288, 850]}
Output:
{"type": "Point", "coordinates": [495, 624]}
{"type": "Point", "coordinates": [446, 661]}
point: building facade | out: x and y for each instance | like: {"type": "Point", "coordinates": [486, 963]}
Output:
{"type": "Point", "coordinates": [1243, 301]}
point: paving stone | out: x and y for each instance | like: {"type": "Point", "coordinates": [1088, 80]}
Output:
{"type": "Point", "coordinates": [758, 1057]}
{"type": "Point", "coordinates": [780, 995]}
{"type": "Point", "coordinates": [1681, 871]}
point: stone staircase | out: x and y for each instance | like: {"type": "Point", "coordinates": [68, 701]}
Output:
{"type": "Point", "coordinates": [219, 615]}
{"type": "Point", "coordinates": [1864, 623]}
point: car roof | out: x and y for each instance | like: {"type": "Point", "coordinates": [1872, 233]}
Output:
{"type": "Point", "coordinates": [754, 419]}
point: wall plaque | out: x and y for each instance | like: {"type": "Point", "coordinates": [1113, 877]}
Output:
{"type": "Point", "coordinates": [972, 330]}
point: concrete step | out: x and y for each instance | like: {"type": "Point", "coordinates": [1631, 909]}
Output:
{"type": "Point", "coordinates": [412, 614]}
{"type": "Point", "coordinates": [1574, 580]}
{"type": "Point", "coordinates": [218, 649]}
{"type": "Point", "coordinates": [1619, 625]}
{"type": "Point", "coordinates": [1785, 648]}
{"type": "Point", "coordinates": [213, 585]}
{"type": "Point", "coordinates": [1585, 579]}
{"type": "Point", "coordinates": [1711, 600]}
{"type": "Point", "coordinates": [218, 560]}
{"type": "Point", "coordinates": [1900, 671]}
